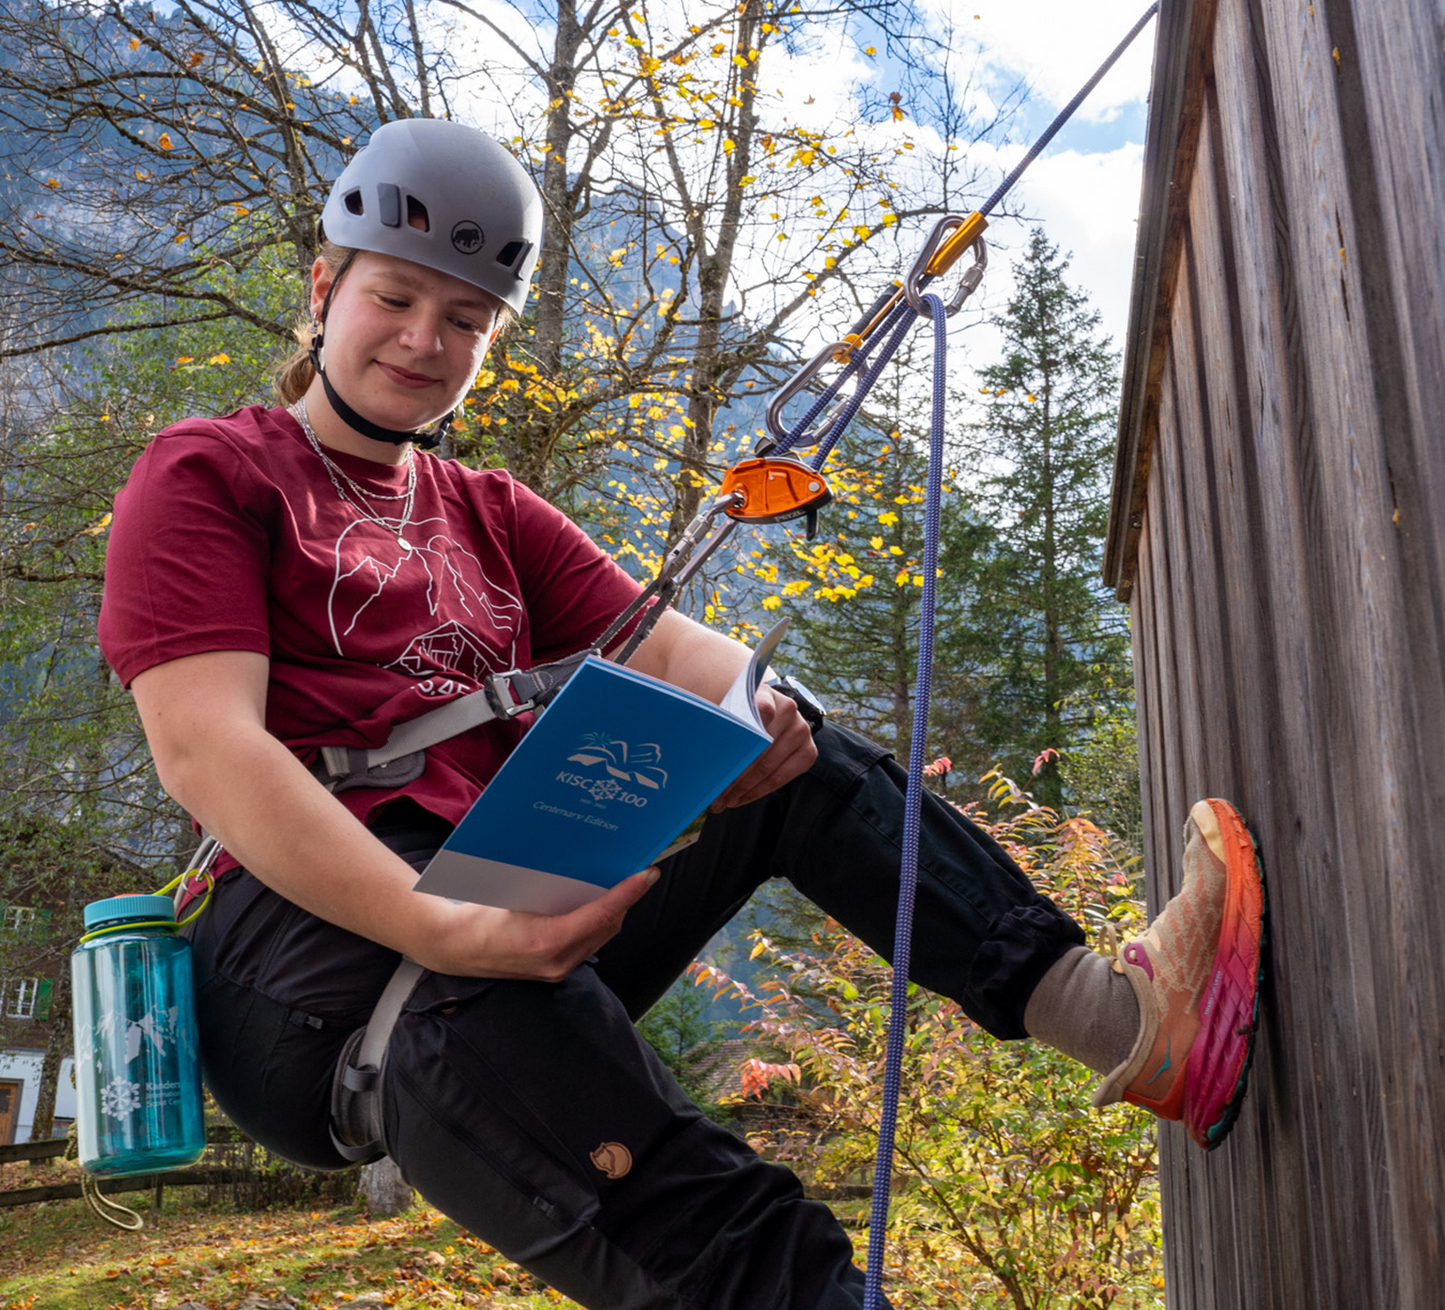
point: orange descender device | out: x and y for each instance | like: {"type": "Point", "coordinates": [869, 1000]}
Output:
{"type": "Point", "coordinates": [774, 489]}
{"type": "Point", "coordinates": [762, 489]}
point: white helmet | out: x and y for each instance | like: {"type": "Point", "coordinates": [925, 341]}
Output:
{"type": "Point", "coordinates": [445, 196]}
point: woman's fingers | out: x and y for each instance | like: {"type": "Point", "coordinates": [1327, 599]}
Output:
{"type": "Point", "coordinates": [792, 753]}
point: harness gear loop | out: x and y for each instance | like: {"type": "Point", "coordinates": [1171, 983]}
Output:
{"type": "Point", "coordinates": [356, 1108]}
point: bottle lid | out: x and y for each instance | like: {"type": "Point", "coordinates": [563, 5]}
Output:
{"type": "Point", "coordinates": [128, 907]}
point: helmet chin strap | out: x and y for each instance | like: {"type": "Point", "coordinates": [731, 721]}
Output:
{"type": "Point", "coordinates": [426, 438]}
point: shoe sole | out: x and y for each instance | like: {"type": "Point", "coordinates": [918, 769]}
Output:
{"type": "Point", "coordinates": [1216, 1083]}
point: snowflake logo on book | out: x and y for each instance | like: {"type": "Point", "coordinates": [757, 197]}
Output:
{"type": "Point", "coordinates": [119, 1098]}
{"type": "Point", "coordinates": [640, 764]}
{"type": "Point", "coordinates": [605, 791]}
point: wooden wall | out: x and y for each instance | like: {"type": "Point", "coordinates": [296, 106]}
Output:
{"type": "Point", "coordinates": [1279, 532]}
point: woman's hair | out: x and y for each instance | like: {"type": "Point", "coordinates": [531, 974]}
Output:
{"type": "Point", "coordinates": [296, 372]}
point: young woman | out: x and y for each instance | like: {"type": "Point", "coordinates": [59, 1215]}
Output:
{"type": "Point", "coordinates": [285, 579]}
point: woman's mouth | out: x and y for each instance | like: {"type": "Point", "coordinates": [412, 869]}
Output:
{"type": "Point", "coordinates": [404, 377]}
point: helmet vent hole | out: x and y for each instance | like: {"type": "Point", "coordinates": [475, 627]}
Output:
{"type": "Point", "coordinates": [353, 203]}
{"type": "Point", "coordinates": [513, 253]}
{"type": "Point", "coordinates": [416, 215]}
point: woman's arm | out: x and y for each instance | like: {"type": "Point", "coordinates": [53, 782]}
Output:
{"type": "Point", "coordinates": [691, 656]}
{"type": "Point", "coordinates": [204, 717]}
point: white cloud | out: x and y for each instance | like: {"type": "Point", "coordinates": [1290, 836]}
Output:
{"type": "Point", "coordinates": [1055, 45]}
{"type": "Point", "coordinates": [1088, 204]}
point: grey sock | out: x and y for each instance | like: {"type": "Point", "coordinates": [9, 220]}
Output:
{"type": "Point", "coordinates": [1084, 1009]}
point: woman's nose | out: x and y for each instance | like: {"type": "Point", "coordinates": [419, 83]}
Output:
{"type": "Point", "coordinates": [421, 332]}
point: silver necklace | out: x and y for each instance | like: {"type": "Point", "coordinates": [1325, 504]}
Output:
{"type": "Point", "coordinates": [357, 496]}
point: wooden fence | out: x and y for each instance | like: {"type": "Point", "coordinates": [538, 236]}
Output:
{"type": "Point", "coordinates": [233, 1166]}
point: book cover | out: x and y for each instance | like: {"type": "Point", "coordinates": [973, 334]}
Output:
{"type": "Point", "coordinates": [612, 771]}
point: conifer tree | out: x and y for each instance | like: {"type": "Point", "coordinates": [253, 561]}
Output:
{"type": "Point", "coordinates": [1046, 451]}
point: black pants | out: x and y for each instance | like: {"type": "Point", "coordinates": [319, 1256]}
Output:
{"type": "Point", "coordinates": [536, 1117]}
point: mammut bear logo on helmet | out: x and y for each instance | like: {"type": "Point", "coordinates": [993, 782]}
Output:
{"type": "Point", "coordinates": [467, 237]}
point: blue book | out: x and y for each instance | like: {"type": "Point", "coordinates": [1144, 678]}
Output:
{"type": "Point", "coordinates": [613, 771]}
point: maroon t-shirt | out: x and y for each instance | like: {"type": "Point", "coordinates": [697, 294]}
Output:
{"type": "Point", "coordinates": [230, 535]}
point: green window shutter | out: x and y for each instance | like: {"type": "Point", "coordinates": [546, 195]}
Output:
{"type": "Point", "coordinates": [42, 999]}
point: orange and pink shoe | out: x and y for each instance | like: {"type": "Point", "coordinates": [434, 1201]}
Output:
{"type": "Point", "coordinates": [1196, 972]}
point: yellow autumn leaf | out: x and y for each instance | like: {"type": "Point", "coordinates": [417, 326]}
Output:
{"type": "Point", "coordinates": [135, 43]}
{"type": "Point", "coordinates": [221, 358]}
{"type": "Point", "coordinates": [165, 141]}
{"type": "Point", "coordinates": [96, 528]}
{"type": "Point", "coordinates": [52, 183]}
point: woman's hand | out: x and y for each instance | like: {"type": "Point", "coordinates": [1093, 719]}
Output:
{"type": "Point", "coordinates": [791, 754]}
{"type": "Point", "coordinates": [481, 941]}
{"type": "Point", "coordinates": [688, 655]}
{"type": "Point", "coordinates": [204, 716]}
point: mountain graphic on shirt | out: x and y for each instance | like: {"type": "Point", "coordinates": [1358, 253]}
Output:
{"type": "Point", "coordinates": [427, 609]}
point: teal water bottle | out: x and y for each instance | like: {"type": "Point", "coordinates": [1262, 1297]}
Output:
{"type": "Point", "coordinates": [137, 1071]}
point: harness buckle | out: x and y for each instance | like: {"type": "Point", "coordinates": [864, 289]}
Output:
{"type": "Point", "coordinates": [502, 698]}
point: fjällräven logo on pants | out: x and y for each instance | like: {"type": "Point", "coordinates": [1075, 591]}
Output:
{"type": "Point", "coordinates": [612, 1158]}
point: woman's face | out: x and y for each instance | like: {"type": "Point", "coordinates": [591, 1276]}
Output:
{"type": "Point", "coordinates": [403, 343]}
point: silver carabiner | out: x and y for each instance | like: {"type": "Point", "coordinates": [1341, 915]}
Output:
{"type": "Point", "coordinates": [968, 284]}
{"type": "Point", "coordinates": [795, 384]}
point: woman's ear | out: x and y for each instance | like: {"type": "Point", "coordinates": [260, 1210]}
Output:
{"type": "Point", "coordinates": [321, 280]}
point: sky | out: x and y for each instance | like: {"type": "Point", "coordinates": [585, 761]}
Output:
{"type": "Point", "coordinates": [1085, 187]}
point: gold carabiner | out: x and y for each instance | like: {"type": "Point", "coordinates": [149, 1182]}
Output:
{"type": "Point", "coordinates": [939, 255]}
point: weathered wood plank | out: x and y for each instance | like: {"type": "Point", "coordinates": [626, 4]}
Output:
{"type": "Point", "coordinates": [1172, 133]}
{"type": "Point", "coordinates": [1145, 639]}
{"type": "Point", "coordinates": [1295, 1154]}
{"type": "Point", "coordinates": [1359, 571]}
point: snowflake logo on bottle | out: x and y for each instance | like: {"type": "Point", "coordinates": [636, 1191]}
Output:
{"type": "Point", "coordinates": [120, 1097]}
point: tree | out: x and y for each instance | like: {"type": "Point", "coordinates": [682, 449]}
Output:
{"type": "Point", "coordinates": [691, 216]}
{"type": "Point", "coordinates": [1044, 458]}
{"type": "Point", "coordinates": [82, 815]}
{"type": "Point", "coordinates": [857, 588]}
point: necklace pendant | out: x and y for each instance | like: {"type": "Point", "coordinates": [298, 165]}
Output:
{"type": "Point", "coordinates": [403, 542]}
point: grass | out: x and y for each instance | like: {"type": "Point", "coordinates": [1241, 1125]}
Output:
{"type": "Point", "coordinates": [60, 1256]}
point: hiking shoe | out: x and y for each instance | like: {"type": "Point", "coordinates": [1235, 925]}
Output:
{"type": "Point", "coordinates": [1196, 972]}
